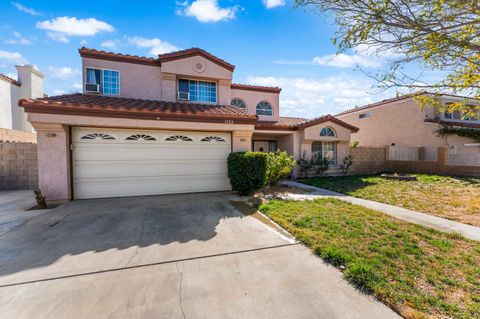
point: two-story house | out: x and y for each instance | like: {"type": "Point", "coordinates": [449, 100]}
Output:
{"type": "Point", "coordinates": [164, 125]}
{"type": "Point", "coordinates": [29, 84]}
{"type": "Point", "coordinates": [401, 124]}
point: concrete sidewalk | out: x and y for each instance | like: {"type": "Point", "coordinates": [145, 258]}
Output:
{"type": "Point", "coordinates": [408, 215]}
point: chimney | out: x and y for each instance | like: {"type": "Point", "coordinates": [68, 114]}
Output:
{"type": "Point", "coordinates": [31, 80]}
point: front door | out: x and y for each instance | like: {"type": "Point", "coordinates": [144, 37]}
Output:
{"type": "Point", "coordinates": [264, 146]}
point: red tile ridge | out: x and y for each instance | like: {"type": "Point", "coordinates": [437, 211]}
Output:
{"type": "Point", "coordinates": [248, 87]}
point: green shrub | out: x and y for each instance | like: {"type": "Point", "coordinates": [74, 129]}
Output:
{"type": "Point", "coordinates": [280, 164]}
{"type": "Point", "coordinates": [247, 171]}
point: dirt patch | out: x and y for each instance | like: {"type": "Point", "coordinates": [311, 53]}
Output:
{"type": "Point", "coordinates": [278, 192]}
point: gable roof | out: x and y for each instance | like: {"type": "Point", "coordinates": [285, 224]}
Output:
{"type": "Point", "coordinates": [194, 52]}
{"type": "Point", "coordinates": [247, 87]}
{"type": "Point", "coordinates": [117, 57]}
{"type": "Point", "coordinates": [9, 80]}
{"type": "Point", "coordinates": [296, 123]}
{"type": "Point", "coordinates": [399, 98]}
{"type": "Point", "coordinates": [107, 106]}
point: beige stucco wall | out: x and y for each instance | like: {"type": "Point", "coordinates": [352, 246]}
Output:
{"type": "Point", "coordinates": [186, 67]}
{"type": "Point", "coordinates": [32, 87]}
{"type": "Point", "coordinates": [160, 83]}
{"type": "Point", "coordinates": [53, 161]}
{"type": "Point", "coordinates": [9, 94]}
{"type": "Point", "coordinates": [136, 80]}
{"type": "Point", "coordinates": [403, 123]}
{"type": "Point", "coordinates": [54, 152]}
{"type": "Point", "coordinates": [252, 98]}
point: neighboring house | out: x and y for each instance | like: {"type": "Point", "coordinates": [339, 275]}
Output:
{"type": "Point", "coordinates": [164, 125]}
{"type": "Point", "coordinates": [411, 131]}
{"type": "Point", "coordinates": [29, 85]}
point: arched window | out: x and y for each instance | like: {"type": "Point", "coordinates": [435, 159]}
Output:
{"type": "Point", "coordinates": [264, 108]}
{"type": "Point", "coordinates": [238, 103]}
{"type": "Point", "coordinates": [327, 131]}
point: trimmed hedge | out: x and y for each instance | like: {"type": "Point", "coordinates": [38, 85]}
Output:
{"type": "Point", "coordinates": [247, 171]}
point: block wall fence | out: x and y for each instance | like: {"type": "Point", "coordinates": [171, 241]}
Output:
{"type": "Point", "coordinates": [18, 160]}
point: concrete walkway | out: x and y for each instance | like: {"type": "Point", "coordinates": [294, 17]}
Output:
{"type": "Point", "coordinates": [408, 215]}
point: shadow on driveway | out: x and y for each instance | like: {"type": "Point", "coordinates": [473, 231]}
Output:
{"type": "Point", "coordinates": [113, 233]}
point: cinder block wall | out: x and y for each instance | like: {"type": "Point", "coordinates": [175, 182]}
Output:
{"type": "Point", "coordinates": [368, 160]}
{"type": "Point", "coordinates": [18, 160]}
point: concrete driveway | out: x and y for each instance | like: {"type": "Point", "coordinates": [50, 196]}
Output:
{"type": "Point", "coordinates": [175, 256]}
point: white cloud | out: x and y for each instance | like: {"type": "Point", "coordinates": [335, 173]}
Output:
{"type": "Point", "coordinates": [7, 57]}
{"type": "Point", "coordinates": [110, 44]}
{"type": "Point", "coordinates": [77, 87]}
{"type": "Point", "coordinates": [207, 10]}
{"type": "Point", "coordinates": [309, 97]}
{"type": "Point", "coordinates": [62, 73]}
{"type": "Point", "coordinates": [273, 3]}
{"type": "Point", "coordinates": [155, 45]}
{"type": "Point", "coordinates": [25, 9]}
{"type": "Point", "coordinates": [84, 42]}
{"type": "Point", "coordinates": [18, 39]}
{"type": "Point", "coordinates": [347, 61]}
{"type": "Point", "coordinates": [61, 28]}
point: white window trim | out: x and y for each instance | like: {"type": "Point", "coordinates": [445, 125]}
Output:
{"type": "Point", "coordinates": [271, 105]}
{"type": "Point", "coordinates": [194, 79]}
{"type": "Point", "coordinates": [328, 136]}
{"type": "Point", "coordinates": [244, 103]}
{"type": "Point", "coordinates": [119, 81]}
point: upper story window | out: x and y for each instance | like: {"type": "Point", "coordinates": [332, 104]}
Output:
{"type": "Point", "coordinates": [363, 115]}
{"type": "Point", "coordinates": [102, 81]}
{"type": "Point", "coordinates": [264, 108]}
{"type": "Point", "coordinates": [238, 103]}
{"type": "Point", "coordinates": [197, 91]}
{"type": "Point", "coordinates": [457, 115]}
{"type": "Point", "coordinates": [327, 131]}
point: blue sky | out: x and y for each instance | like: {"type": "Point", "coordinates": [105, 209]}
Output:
{"type": "Point", "coordinates": [269, 42]}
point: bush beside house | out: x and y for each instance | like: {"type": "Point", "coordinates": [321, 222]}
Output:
{"type": "Point", "coordinates": [250, 171]}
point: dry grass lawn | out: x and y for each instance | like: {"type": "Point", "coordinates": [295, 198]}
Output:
{"type": "Point", "coordinates": [453, 198]}
{"type": "Point", "coordinates": [417, 271]}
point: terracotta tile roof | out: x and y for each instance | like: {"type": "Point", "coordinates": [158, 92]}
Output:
{"type": "Point", "coordinates": [268, 89]}
{"type": "Point", "coordinates": [111, 56]}
{"type": "Point", "coordinates": [456, 124]}
{"type": "Point", "coordinates": [106, 106]}
{"type": "Point", "coordinates": [296, 123]}
{"type": "Point", "coordinates": [398, 98]}
{"type": "Point", "coordinates": [192, 52]}
{"type": "Point", "coordinates": [9, 80]}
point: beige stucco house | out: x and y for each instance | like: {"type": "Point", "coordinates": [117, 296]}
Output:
{"type": "Point", "coordinates": [29, 84]}
{"type": "Point", "coordinates": [410, 131]}
{"type": "Point", "coordinates": [164, 125]}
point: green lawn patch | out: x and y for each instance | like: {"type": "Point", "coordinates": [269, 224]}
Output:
{"type": "Point", "coordinates": [418, 271]}
{"type": "Point", "coordinates": [448, 197]}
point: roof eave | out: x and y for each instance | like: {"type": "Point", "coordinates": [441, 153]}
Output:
{"type": "Point", "coordinates": [31, 106]}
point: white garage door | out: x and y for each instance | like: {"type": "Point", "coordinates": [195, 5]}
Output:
{"type": "Point", "coordinates": [113, 163]}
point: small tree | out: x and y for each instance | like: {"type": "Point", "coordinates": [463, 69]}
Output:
{"type": "Point", "coordinates": [320, 164]}
{"type": "Point", "coordinates": [305, 165]}
{"type": "Point", "coordinates": [346, 163]}
{"type": "Point", "coordinates": [280, 164]}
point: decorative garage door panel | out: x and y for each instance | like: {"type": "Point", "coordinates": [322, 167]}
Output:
{"type": "Point", "coordinates": [112, 163]}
